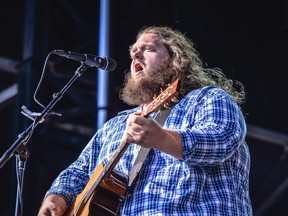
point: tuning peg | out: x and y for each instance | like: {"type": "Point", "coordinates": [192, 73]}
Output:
{"type": "Point", "coordinates": [175, 100]}
{"type": "Point", "coordinates": [167, 106]}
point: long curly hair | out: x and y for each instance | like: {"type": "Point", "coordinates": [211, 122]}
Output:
{"type": "Point", "coordinates": [189, 67]}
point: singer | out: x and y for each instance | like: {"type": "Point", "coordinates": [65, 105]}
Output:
{"type": "Point", "coordinates": [198, 161]}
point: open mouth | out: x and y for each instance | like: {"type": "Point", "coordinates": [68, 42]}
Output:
{"type": "Point", "coordinates": [138, 70]}
{"type": "Point", "coordinates": [138, 67]}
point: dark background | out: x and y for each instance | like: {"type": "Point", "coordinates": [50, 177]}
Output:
{"type": "Point", "coordinates": [246, 39]}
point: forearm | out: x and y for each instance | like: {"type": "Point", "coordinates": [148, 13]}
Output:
{"type": "Point", "coordinates": [170, 143]}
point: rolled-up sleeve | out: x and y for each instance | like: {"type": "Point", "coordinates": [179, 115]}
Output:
{"type": "Point", "coordinates": [213, 129]}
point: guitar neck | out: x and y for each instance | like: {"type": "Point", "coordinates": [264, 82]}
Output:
{"type": "Point", "coordinates": [115, 158]}
{"type": "Point", "coordinates": [108, 168]}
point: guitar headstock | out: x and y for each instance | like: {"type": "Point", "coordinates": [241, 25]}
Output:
{"type": "Point", "coordinates": [163, 99]}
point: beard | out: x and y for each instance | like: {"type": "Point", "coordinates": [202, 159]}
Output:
{"type": "Point", "coordinates": [143, 90]}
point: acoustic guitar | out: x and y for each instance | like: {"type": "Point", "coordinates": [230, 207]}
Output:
{"type": "Point", "coordinates": [104, 192]}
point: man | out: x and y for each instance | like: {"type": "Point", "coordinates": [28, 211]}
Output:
{"type": "Point", "coordinates": [199, 161]}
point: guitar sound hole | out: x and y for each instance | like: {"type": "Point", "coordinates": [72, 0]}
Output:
{"type": "Point", "coordinates": [104, 203]}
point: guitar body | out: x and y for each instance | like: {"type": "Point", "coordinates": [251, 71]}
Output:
{"type": "Point", "coordinates": [106, 198]}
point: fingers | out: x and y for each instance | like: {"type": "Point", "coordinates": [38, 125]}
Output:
{"type": "Point", "coordinates": [142, 131]}
{"type": "Point", "coordinates": [135, 128]}
{"type": "Point", "coordinates": [49, 209]}
{"type": "Point", "coordinates": [137, 125]}
{"type": "Point", "coordinates": [134, 134]}
{"type": "Point", "coordinates": [138, 113]}
{"type": "Point", "coordinates": [134, 119]}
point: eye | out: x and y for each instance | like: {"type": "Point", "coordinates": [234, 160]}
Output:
{"type": "Point", "coordinates": [150, 48]}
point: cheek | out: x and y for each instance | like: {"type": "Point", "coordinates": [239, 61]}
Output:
{"type": "Point", "coordinates": [154, 61]}
{"type": "Point", "coordinates": [131, 67]}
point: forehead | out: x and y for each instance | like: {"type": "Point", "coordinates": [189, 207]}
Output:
{"type": "Point", "coordinates": [148, 38]}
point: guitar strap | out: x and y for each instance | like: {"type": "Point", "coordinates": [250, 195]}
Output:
{"type": "Point", "coordinates": [143, 152]}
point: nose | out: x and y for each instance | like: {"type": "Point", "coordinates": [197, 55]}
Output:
{"type": "Point", "coordinates": [137, 54]}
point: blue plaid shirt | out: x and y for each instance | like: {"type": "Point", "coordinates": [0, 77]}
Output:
{"type": "Point", "coordinates": [211, 179]}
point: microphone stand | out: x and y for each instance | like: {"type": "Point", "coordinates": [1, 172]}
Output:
{"type": "Point", "coordinates": [19, 146]}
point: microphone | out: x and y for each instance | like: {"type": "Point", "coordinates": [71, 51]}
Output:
{"type": "Point", "coordinates": [105, 63]}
